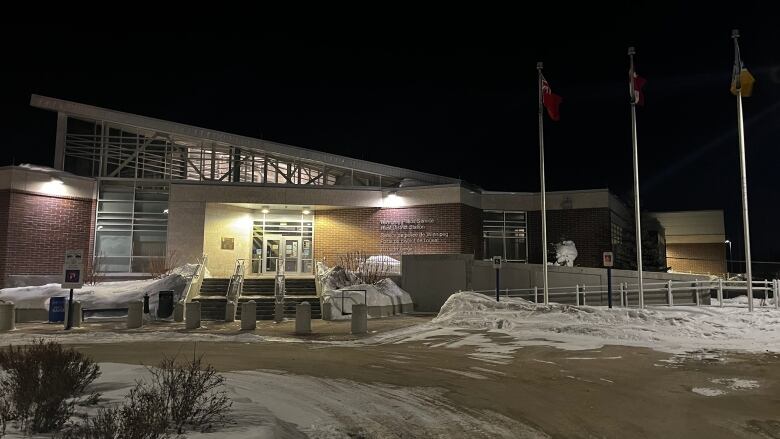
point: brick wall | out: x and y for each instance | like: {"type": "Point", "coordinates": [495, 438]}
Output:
{"type": "Point", "coordinates": [35, 231]}
{"type": "Point", "coordinates": [588, 228]}
{"type": "Point", "coordinates": [697, 258]}
{"type": "Point", "coordinates": [445, 228]}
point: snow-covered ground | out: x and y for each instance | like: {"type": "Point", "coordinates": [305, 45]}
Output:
{"type": "Point", "coordinates": [471, 319]}
{"type": "Point", "coordinates": [276, 404]}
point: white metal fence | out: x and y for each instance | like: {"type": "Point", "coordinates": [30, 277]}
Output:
{"type": "Point", "coordinates": [668, 293]}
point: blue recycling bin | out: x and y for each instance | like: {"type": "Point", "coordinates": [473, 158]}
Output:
{"type": "Point", "coordinates": [57, 307]}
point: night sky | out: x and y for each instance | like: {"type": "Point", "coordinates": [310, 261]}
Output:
{"type": "Point", "coordinates": [459, 100]}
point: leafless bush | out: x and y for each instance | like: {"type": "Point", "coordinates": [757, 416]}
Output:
{"type": "Point", "coordinates": [42, 383]}
{"type": "Point", "coordinates": [366, 272]}
{"type": "Point", "coordinates": [159, 267]}
{"type": "Point", "coordinates": [178, 396]}
{"type": "Point", "coordinates": [94, 273]}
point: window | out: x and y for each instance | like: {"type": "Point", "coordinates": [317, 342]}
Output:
{"type": "Point", "coordinates": [131, 226]}
{"type": "Point", "coordinates": [617, 234]}
{"type": "Point", "coordinates": [504, 234]}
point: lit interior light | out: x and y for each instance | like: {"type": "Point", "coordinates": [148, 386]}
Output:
{"type": "Point", "coordinates": [265, 209]}
{"type": "Point", "coordinates": [165, 211]}
{"type": "Point", "coordinates": [306, 211]}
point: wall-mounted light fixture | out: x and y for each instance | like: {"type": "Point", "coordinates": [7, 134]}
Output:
{"type": "Point", "coordinates": [55, 186]}
{"type": "Point", "coordinates": [306, 211]}
{"type": "Point", "coordinates": [265, 209]}
{"type": "Point", "coordinates": [392, 199]}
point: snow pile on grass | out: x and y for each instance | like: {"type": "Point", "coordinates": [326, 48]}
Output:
{"type": "Point", "coordinates": [102, 295]}
{"type": "Point", "coordinates": [676, 329]}
{"type": "Point", "coordinates": [382, 263]}
{"type": "Point", "coordinates": [384, 294]}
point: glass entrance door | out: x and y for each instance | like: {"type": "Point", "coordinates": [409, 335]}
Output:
{"type": "Point", "coordinates": [292, 255]}
{"type": "Point", "coordinates": [284, 250]}
{"type": "Point", "coordinates": [272, 253]}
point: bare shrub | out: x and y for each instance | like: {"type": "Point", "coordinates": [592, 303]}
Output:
{"type": "Point", "coordinates": [366, 273]}
{"type": "Point", "coordinates": [178, 396]}
{"type": "Point", "coordinates": [94, 273]}
{"type": "Point", "coordinates": [42, 383]}
{"type": "Point", "coordinates": [159, 267]}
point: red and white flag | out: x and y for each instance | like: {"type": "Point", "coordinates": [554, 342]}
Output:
{"type": "Point", "coordinates": [635, 84]}
{"type": "Point", "coordinates": [551, 101]}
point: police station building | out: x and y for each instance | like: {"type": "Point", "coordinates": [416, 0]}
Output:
{"type": "Point", "coordinates": [134, 192]}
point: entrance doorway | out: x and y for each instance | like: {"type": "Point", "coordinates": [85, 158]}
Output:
{"type": "Point", "coordinates": [281, 242]}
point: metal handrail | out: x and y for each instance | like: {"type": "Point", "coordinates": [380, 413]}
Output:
{"type": "Point", "coordinates": [193, 286]}
{"type": "Point", "coordinates": [236, 283]}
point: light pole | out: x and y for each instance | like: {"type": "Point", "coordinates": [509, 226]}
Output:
{"type": "Point", "coordinates": [728, 261]}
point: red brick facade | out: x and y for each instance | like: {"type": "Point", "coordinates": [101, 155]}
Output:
{"type": "Point", "coordinates": [444, 228]}
{"type": "Point", "coordinates": [588, 228]}
{"type": "Point", "coordinates": [35, 231]}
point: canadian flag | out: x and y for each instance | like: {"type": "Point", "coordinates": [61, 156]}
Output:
{"type": "Point", "coordinates": [635, 85]}
{"type": "Point", "coordinates": [551, 101]}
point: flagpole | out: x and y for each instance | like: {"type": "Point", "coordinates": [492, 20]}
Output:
{"type": "Point", "coordinates": [545, 288]}
{"type": "Point", "coordinates": [631, 53]}
{"type": "Point", "coordinates": [743, 168]}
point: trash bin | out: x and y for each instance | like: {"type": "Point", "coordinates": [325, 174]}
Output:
{"type": "Point", "coordinates": [57, 309]}
{"type": "Point", "coordinates": [165, 304]}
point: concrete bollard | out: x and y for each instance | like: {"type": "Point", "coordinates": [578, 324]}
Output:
{"type": "Point", "coordinates": [7, 316]}
{"type": "Point", "coordinates": [135, 315]}
{"type": "Point", "coordinates": [327, 311]}
{"type": "Point", "coordinates": [76, 315]}
{"type": "Point", "coordinates": [303, 318]}
{"type": "Point", "coordinates": [278, 312]}
{"type": "Point", "coordinates": [178, 312]}
{"type": "Point", "coordinates": [192, 317]}
{"type": "Point", "coordinates": [230, 311]}
{"type": "Point", "coordinates": [359, 319]}
{"type": "Point", "coordinates": [248, 316]}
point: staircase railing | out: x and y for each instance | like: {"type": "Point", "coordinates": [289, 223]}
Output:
{"type": "Point", "coordinates": [279, 283]}
{"type": "Point", "coordinates": [193, 286]}
{"type": "Point", "coordinates": [236, 284]}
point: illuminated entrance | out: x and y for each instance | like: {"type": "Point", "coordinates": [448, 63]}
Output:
{"type": "Point", "coordinates": [283, 242]}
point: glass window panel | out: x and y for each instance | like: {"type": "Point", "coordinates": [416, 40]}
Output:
{"type": "Point", "coordinates": [494, 247]}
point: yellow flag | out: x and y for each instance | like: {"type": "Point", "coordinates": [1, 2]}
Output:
{"type": "Point", "coordinates": [746, 81]}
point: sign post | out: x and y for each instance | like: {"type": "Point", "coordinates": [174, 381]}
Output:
{"type": "Point", "coordinates": [497, 266]}
{"type": "Point", "coordinates": [72, 278]}
{"type": "Point", "coordinates": [609, 262]}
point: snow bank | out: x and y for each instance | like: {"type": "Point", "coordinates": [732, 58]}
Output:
{"type": "Point", "coordinates": [383, 299]}
{"type": "Point", "coordinates": [390, 265]}
{"type": "Point", "coordinates": [565, 253]}
{"type": "Point", "coordinates": [102, 295]}
{"type": "Point", "coordinates": [676, 329]}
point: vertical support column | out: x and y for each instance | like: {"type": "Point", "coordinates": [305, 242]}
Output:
{"type": "Point", "coordinates": [622, 296]}
{"type": "Point", "coordinates": [536, 294]}
{"type": "Point", "coordinates": [696, 292]}
{"type": "Point", "coordinates": [720, 293]}
{"type": "Point", "coordinates": [577, 294]}
{"type": "Point", "coordinates": [775, 292]}
{"type": "Point", "coordinates": [669, 294]}
{"type": "Point", "coordinates": [59, 142]}
{"type": "Point", "coordinates": [766, 290]}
